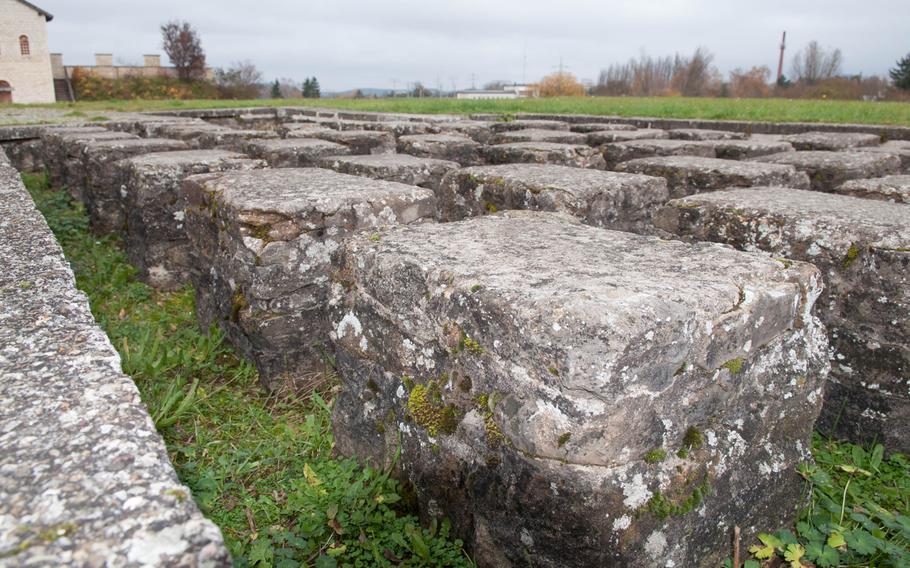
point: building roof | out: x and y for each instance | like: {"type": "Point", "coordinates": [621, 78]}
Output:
{"type": "Point", "coordinates": [47, 15]}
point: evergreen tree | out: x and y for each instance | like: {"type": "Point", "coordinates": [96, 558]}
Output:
{"type": "Point", "coordinates": [901, 73]}
{"type": "Point", "coordinates": [315, 86]}
{"type": "Point", "coordinates": [307, 90]}
{"type": "Point", "coordinates": [276, 90]}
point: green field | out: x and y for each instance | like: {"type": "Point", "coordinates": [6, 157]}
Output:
{"type": "Point", "coordinates": [775, 110]}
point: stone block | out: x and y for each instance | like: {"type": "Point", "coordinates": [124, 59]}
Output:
{"type": "Point", "coordinates": [601, 137]}
{"type": "Point", "coordinates": [450, 147]}
{"type": "Point", "coordinates": [104, 181]}
{"type": "Point", "coordinates": [293, 152]}
{"type": "Point", "coordinates": [895, 189]}
{"type": "Point", "coordinates": [25, 155]}
{"type": "Point", "coordinates": [686, 175]}
{"type": "Point", "coordinates": [62, 149]}
{"type": "Point", "coordinates": [899, 148]}
{"type": "Point", "coordinates": [703, 134]}
{"type": "Point", "coordinates": [359, 141]}
{"type": "Point", "coordinates": [617, 152]}
{"type": "Point", "coordinates": [579, 396]}
{"type": "Point", "coordinates": [575, 155]}
{"type": "Point", "coordinates": [827, 170]}
{"type": "Point", "coordinates": [510, 125]}
{"type": "Point", "coordinates": [832, 141]}
{"type": "Point", "coordinates": [588, 127]}
{"type": "Point", "coordinates": [538, 135]}
{"type": "Point", "coordinates": [751, 148]}
{"type": "Point", "coordinates": [624, 202]}
{"type": "Point", "coordinates": [862, 247]}
{"type": "Point", "coordinates": [476, 130]}
{"type": "Point", "coordinates": [209, 136]}
{"type": "Point", "coordinates": [156, 240]}
{"type": "Point", "coordinates": [267, 240]}
{"type": "Point", "coordinates": [400, 168]}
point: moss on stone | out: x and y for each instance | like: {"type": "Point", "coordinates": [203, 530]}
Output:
{"type": "Point", "coordinates": [238, 304]}
{"type": "Point", "coordinates": [735, 366]}
{"type": "Point", "coordinates": [490, 207]}
{"type": "Point", "coordinates": [426, 407]}
{"type": "Point", "coordinates": [693, 438]}
{"type": "Point", "coordinates": [656, 455]}
{"type": "Point", "coordinates": [663, 506]}
{"type": "Point", "coordinates": [851, 256]}
{"type": "Point", "coordinates": [472, 346]}
{"type": "Point", "coordinates": [563, 440]}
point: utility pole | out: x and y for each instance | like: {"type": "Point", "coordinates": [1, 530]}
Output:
{"type": "Point", "coordinates": [473, 83]}
{"type": "Point", "coordinates": [780, 63]}
{"type": "Point", "coordinates": [394, 88]}
{"type": "Point", "coordinates": [524, 66]}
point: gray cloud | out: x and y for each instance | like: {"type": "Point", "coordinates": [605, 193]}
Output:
{"type": "Point", "coordinates": [351, 43]}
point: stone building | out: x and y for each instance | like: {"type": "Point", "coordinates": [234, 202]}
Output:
{"type": "Point", "coordinates": [106, 68]}
{"type": "Point", "coordinates": [25, 63]}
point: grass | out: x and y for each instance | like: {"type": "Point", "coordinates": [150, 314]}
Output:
{"type": "Point", "coordinates": [262, 468]}
{"type": "Point", "coordinates": [775, 110]}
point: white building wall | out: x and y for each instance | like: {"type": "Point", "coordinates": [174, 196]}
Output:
{"type": "Point", "coordinates": [28, 75]}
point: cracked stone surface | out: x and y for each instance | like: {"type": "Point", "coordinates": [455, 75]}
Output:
{"type": "Point", "coordinates": [461, 149]}
{"type": "Point", "coordinates": [265, 241]}
{"type": "Point", "coordinates": [889, 188]}
{"type": "Point", "coordinates": [617, 152]}
{"type": "Point", "coordinates": [538, 135]}
{"type": "Point", "coordinates": [827, 170]}
{"type": "Point", "coordinates": [62, 153]}
{"type": "Point", "coordinates": [208, 136]}
{"type": "Point", "coordinates": [587, 127]}
{"type": "Point", "coordinates": [104, 181]}
{"type": "Point", "coordinates": [401, 168]}
{"type": "Point", "coordinates": [687, 175]}
{"type": "Point", "coordinates": [899, 148]}
{"type": "Point", "coordinates": [624, 202]}
{"type": "Point", "coordinates": [477, 130]}
{"type": "Point", "coordinates": [601, 137]}
{"type": "Point", "coordinates": [293, 152]}
{"type": "Point", "coordinates": [832, 141]}
{"type": "Point", "coordinates": [575, 155]}
{"type": "Point", "coordinates": [359, 141]}
{"type": "Point", "coordinates": [751, 148]}
{"type": "Point", "coordinates": [526, 363]}
{"type": "Point", "coordinates": [862, 247]}
{"type": "Point", "coordinates": [703, 134]}
{"type": "Point", "coordinates": [510, 125]}
{"type": "Point", "coordinates": [85, 479]}
{"type": "Point", "coordinates": [156, 240]}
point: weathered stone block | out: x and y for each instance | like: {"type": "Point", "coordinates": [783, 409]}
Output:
{"type": "Point", "coordinates": [588, 127]}
{"type": "Point", "coordinates": [208, 136]}
{"type": "Point", "coordinates": [534, 370]}
{"type": "Point", "coordinates": [607, 136]}
{"type": "Point", "coordinates": [624, 202]}
{"type": "Point", "coordinates": [703, 134]}
{"type": "Point", "coordinates": [359, 141]}
{"type": "Point", "coordinates": [267, 240]}
{"type": "Point", "coordinates": [476, 130]}
{"type": "Point", "coordinates": [156, 239]}
{"type": "Point", "coordinates": [459, 149]}
{"type": "Point", "coordinates": [862, 247]}
{"type": "Point", "coordinates": [832, 141]}
{"type": "Point", "coordinates": [686, 175]}
{"type": "Point", "coordinates": [889, 188]}
{"type": "Point", "coordinates": [293, 152]}
{"type": "Point", "coordinates": [575, 155]}
{"type": "Point", "coordinates": [827, 170]}
{"type": "Point", "coordinates": [104, 179]}
{"type": "Point", "coordinates": [617, 152]}
{"type": "Point", "coordinates": [538, 135]}
{"type": "Point", "coordinates": [62, 149]}
{"type": "Point", "coordinates": [400, 168]}
{"type": "Point", "coordinates": [510, 125]}
{"type": "Point", "coordinates": [745, 149]}
{"type": "Point", "coordinates": [899, 148]}
{"type": "Point", "coordinates": [25, 155]}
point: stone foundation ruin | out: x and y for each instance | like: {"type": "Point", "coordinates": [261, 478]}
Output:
{"type": "Point", "coordinates": [604, 319]}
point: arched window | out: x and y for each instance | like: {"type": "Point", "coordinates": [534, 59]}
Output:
{"type": "Point", "coordinates": [23, 45]}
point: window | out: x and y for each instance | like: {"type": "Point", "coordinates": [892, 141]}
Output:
{"type": "Point", "coordinates": [23, 45]}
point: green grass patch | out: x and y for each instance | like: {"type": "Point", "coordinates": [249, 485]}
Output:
{"type": "Point", "coordinates": [260, 467]}
{"type": "Point", "coordinates": [772, 109]}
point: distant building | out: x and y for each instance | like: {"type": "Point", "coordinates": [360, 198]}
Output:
{"type": "Point", "coordinates": [25, 63]}
{"type": "Point", "coordinates": [507, 92]}
{"type": "Point", "coordinates": [104, 68]}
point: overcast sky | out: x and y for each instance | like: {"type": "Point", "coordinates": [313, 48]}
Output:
{"type": "Point", "coordinates": [368, 43]}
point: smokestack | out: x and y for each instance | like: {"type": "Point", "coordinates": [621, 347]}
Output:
{"type": "Point", "coordinates": [780, 63]}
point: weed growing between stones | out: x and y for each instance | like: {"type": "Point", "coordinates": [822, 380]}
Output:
{"type": "Point", "coordinates": [260, 467]}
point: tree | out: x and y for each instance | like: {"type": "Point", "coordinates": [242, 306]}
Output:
{"type": "Point", "coordinates": [276, 90]}
{"type": "Point", "coordinates": [310, 88]}
{"type": "Point", "coordinates": [181, 44]}
{"type": "Point", "coordinates": [751, 84]}
{"type": "Point", "coordinates": [562, 84]}
{"type": "Point", "coordinates": [240, 81]}
{"type": "Point", "coordinates": [901, 74]}
{"type": "Point", "coordinates": [419, 90]}
{"type": "Point", "coordinates": [815, 63]}
{"type": "Point", "coordinates": [497, 85]}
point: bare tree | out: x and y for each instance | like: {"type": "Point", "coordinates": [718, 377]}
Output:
{"type": "Point", "coordinates": [648, 76]}
{"type": "Point", "coordinates": [560, 84]}
{"type": "Point", "coordinates": [815, 63]}
{"type": "Point", "coordinates": [750, 84]}
{"type": "Point", "coordinates": [181, 44]}
{"type": "Point", "coordinates": [694, 76]}
{"type": "Point", "coordinates": [239, 81]}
